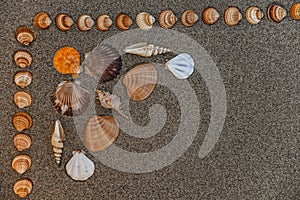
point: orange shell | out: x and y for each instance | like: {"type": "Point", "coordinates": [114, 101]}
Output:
{"type": "Point", "coordinates": [23, 187]}
{"type": "Point", "coordinates": [41, 20]}
{"type": "Point", "coordinates": [123, 22]}
{"type": "Point", "coordinates": [210, 16]}
{"type": "Point", "coordinates": [22, 141]}
{"type": "Point", "coordinates": [295, 11]}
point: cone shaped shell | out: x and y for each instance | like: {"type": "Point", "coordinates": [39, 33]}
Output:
{"type": "Point", "coordinates": [22, 99]}
{"type": "Point", "coordinates": [123, 22]}
{"type": "Point", "coordinates": [85, 23]}
{"type": "Point", "coordinates": [21, 163]}
{"type": "Point", "coordinates": [276, 13]}
{"type": "Point", "coordinates": [146, 50]}
{"type": "Point", "coordinates": [41, 20]}
{"type": "Point", "coordinates": [100, 132]}
{"type": "Point", "coordinates": [295, 11]}
{"type": "Point", "coordinates": [22, 121]}
{"type": "Point", "coordinates": [103, 22]}
{"type": "Point", "coordinates": [145, 20]}
{"type": "Point", "coordinates": [23, 187]}
{"type": "Point", "coordinates": [140, 81]}
{"type": "Point", "coordinates": [232, 16]}
{"type": "Point", "coordinates": [25, 35]}
{"type": "Point", "coordinates": [167, 19]}
{"type": "Point", "coordinates": [189, 18]}
{"type": "Point", "coordinates": [57, 139]}
{"type": "Point", "coordinates": [210, 16]}
{"type": "Point", "coordinates": [63, 22]}
{"type": "Point", "coordinates": [254, 15]}
{"type": "Point", "coordinates": [23, 78]}
{"type": "Point", "coordinates": [22, 58]}
{"type": "Point", "coordinates": [22, 141]}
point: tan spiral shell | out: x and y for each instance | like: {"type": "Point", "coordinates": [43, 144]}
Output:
{"type": "Point", "coordinates": [63, 22]}
{"type": "Point", "coordinates": [23, 78]}
{"type": "Point", "coordinates": [276, 13]}
{"type": "Point", "coordinates": [144, 20]}
{"type": "Point", "coordinates": [25, 35]}
{"type": "Point", "coordinates": [85, 23]}
{"type": "Point", "coordinates": [23, 187]}
{"type": "Point", "coordinates": [103, 22]}
{"type": "Point", "coordinates": [210, 16]}
{"type": "Point", "coordinates": [21, 163]}
{"type": "Point", "coordinates": [189, 18]}
{"type": "Point", "coordinates": [232, 16]}
{"type": "Point", "coordinates": [295, 11]}
{"type": "Point", "coordinates": [22, 141]}
{"type": "Point", "coordinates": [41, 20]}
{"type": "Point", "coordinates": [22, 121]}
{"type": "Point", "coordinates": [254, 15]}
{"type": "Point", "coordinates": [167, 19]}
{"type": "Point", "coordinates": [123, 22]}
{"type": "Point", "coordinates": [22, 99]}
{"type": "Point", "coordinates": [22, 58]}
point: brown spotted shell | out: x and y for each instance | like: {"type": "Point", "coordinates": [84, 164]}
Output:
{"type": "Point", "coordinates": [21, 163]}
{"type": "Point", "coordinates": [41, 20]}
{"type": "Point", "coordinates": [103, 22]}
{"type": "Point", "coordinates": [22, 99]}
{"type": "Point", "coordinates": [22, 58]}
{"type": "Point", "coordinates": [25, 35]}
{"type": "Point", "coordinates": [232, 16]}
{"type": "Point", "coordinates": [167, 19]}
{"type": "Point", "coordinates": [254, 15]}
{"type": "Point", "coordinates": [85, 23]}
{"type": "Point", "coordinates": [295, 11]}
{"type": "Point", "coordinates": [23, 78]}
{"type": "Point", "coordinates": [22, 141]}
{"type": "Point", "coordinates": [276, 13]}
{"type": "Point", "coordinates": [22, 121]}
{"type": "Point", "coordinates": [144, 20]}
{"type": "Point", "coordinates": [123, 22]}
{"type": "Point", "coordinates": [189, 18]}
{"type": "Point", "coordinates": [210, 16]}
{"type": "Point", "coordinates": [63, 22]}
{"type": "Point", "coordinates": [23, 187]}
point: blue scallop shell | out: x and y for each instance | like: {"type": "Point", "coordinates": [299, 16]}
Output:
{"type": "Point", "coordinates": [181, 66]}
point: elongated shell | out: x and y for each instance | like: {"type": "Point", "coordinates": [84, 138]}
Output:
{"type": "Point", "coordinates": [123, 22]}
{"type": "Point", "coordinates": [295, 11]}
{"type": "Point", "coordinates": [57, 139]}
{"type": "Point", "coordinates": [22, 121]}
{"type": "Point", "coordinates": [23, 78]}
{"type": "Point", "coordinates": [145, 20]}
{"type": "Point", "coordinates": [189, 18]}
{"type": "Point", "coordinates": [103, 22]}
{"type": "Point", "coordinates": [210, 16]}
{"type": "Point", "coordinates": [276, 13]}
{"type": "Point", "coordinates": [181, 66]}
{"type": "Point", "coordinates": [254, 15]}
{"type": "Point", "coordinates": [23, 187]}
{"type": "Point", "coordinates": [85, 23]}
{"type": "Point", "coordinates": [80, 167]}
{"type": "Point", "coordinates": [21, 163]}
{"type": "Point", "coordinates": [41, 20]}
{"type": "Point", "coordinates": [167, 19]}
{"type": "Point", "coordinates": [232, 16]}
{"type": "Point", "coordinates": [140, 81]}
{"type": "Point", "coordinates": [100, 132]}
{"type": "Point", "coordinates": [22, 99]}
{"type": "Point", "coordinates": [25, 35]}
{"type": "Point", "coordinates": [22, 58]}
{"type": "Point", "coordinates": [63, 22]}
{"type": "Point", "coordinates": [146, 50]}
{"type": "Point", "coordinates": [22, 141]}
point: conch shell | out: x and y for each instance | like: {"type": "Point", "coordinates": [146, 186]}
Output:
{"type": "Point", "coordinates": [25, 35]}
{"type": "Point", "coordinates": [22, 141]}
{"type": "Point", "coordinates": [22, 99]}
{"type": "Point", "coordinates": [181, 66]}
{"type": "Point", "coordinates": [145, 20]}
{"type": "Point", "coordinates": [63, 22]}
{"type": "Point", "coordinates": [295, 11]}
{"type": "Point", "coordinates": [210, 16]}
{"type": "Point", "coordinates": [23, 187]}
{"type": "Point", "coordinates": [22, 121]}
{"type": "Point", "coordinates": [123, 22]}
{"type": "Point", "coordinates": [23, 78]}
{"type": "Point", "coordinates": [189, 18]}
{"type": "Point", "coordinates": [167, 19]}
{"type": "Point", "coordinates": [103, 22]}
{"type": "Point", "coordinates": [41, 20]}
{"type": "Point", "coordinates": [57, 139]}
{"type": "Point", "coordinates": [276, 13]}
{"type": "Point", "coordinates": [85, 23]}
{"type": "Point", "coordinates": [254, 15]}
{"type": "Point", "coordinates": [232, 16]}
{"type": "Point", "coordinates": [146, 50]}
{"type": "Point", "coordinates": [21, 163]}
{"type": "Point", "coordinates": [22, 58]}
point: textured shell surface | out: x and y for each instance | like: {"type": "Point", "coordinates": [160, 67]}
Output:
{"type": "Point", "coordinates": [22, 58]}
{"type": "Point", "coordinates": [57, 139]}
{"type": "Point", "coordinates": [41, 20]}
{"type": "Point", "coordinates": [80, 167]}
{"type": "Point", "coordinates": [123, 22]}
{"type": "Point", "coordinates": [23, 78]}
{"type": "Point", "coordinates": [21, 163]}
{"type": "Point", "coordinates": [210, 16]}
{"type": "Point", "coordinates": [103, 22]}
{"type": "Point", "coordinates": [25, 35]}
{"type": "Point", "coordinates": [189, 18]}
{"type": "Point", "coordinates": [22, 141]}
{"type": "Point", "coordinates": [63, 22]}
{"type": "Point", "coordinates": [232, 16]}
{"type": "Point", "coordinates": [276, 13]}
{"type": "Point", "coordinates": [22, 121]}
{"type": "Point", "coordinates": [23, 187]}
{"type": "Point", "coordinates": [85, 23]}
{"type": "Point", "coordinates": [146, 50]}
{"type": "Point", "coordinates": [254, 15]}
{"type": "Point", "coordinates": [22, 99]}
{"type": "Point", "coordinates": [145, 20]}
{"type": "Point", "coordinates": [167, 19]}
{"type": "Point", "coordinates": [295, 11]}
{"type": "Point", "coordinates": [181, 66]}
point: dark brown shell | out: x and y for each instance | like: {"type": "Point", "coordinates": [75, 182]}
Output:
{"type": "Point", "coordinates": [276, 13]}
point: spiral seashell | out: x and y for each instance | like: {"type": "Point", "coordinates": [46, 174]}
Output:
{"type": "Point", "coordinates": [22, 99]}
{"type": "Point", "coordinates": [63, 22]}
{"type": "Point", "coordinates": [295, 11]}
{"type": "Point", "coordinates": [85, 23]}
{"type": "Point", "coordinates": [140, 81]}
{"type": "Point", "coordinates": [22, 58]}
{"type": "Point", "coordinates": [123, 22]}
{"type": "Point", "coordinates": [232, 16]}
{"type": "Point", "coordinates": [254, 15]}
{"type": "Point", "coordinates": [57, 139]}
{"type": "Point", "coordinates": [41, 20]}
{"type": "Point", "coordinates": [25, 35]}
{"type": "Point", "coordinates": [22, 141]}
{"type": "Point", "coordinates": [167, 19]}
{"type": "Point", "coordinates": [276, 13]}
{"type": "Point", "coordinates": [23, 78]}
{"type": "Point", "coordinates": [100, 132]}
{"type": "Point", "coordinates": [103, 22]}
{"type": "Point", "coordinates": [21, 163]}
{"type": "Point", "coordinates": [146, 50]}
{"type": "Point", "coordinates": [189, 18]}
{"type": "Point", "coordinates": [210, 16]}
{"type": "Point", "coordinates": [22, 121]}
{"type": "Point", "coordinates": [145, 21]}
{"type": "Point", "coordinates": [23, 187]}
{"type": "Point", "coordinates": [181, 66]}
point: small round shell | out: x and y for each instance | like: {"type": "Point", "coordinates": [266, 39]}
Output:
{"type": "Point", "coordinates": [21, 163]}
{"type": "Point", "coordinates": [22, 58]}
{"type": "Point", "coordinates": [295, 11]}
{"type": "Point", "coordinates": [103, 22]}
{"type": "Point", "coordinates": [63, 22]}
{"type": "Point", "coordinates": [210, 16]}
{"type": "Point", "coordinates": [145, 21]}
{"type": "Point", "coordinates": [85, 23]}
{"type": "Point", "coordinates": [23, 187]}
{"type": "Point", "coordinates": [41, 20]}
{"type": "Point", "coordinates": [22, 141]}
{"type": "Point", "coordinates": [123, 22]}
{"type": "Point", "coordinates": [276, 13]}
{"type": "Point", "coordinates": [22, 99]}
{"type": "Point", "coordinates": [254, 15]}
{"type": "Point", "coordinates": [167, 19]}
{"type": "Point", "coordinates": [189, 18]}
{"type": "Point", "coordinates": [22, 121]}
{"type": "Point", "coordinates": [23, 78]}
{"type": "Point", "coordinates": [25, 35]}
{"type": "Point", "coordinates": [232, 16]}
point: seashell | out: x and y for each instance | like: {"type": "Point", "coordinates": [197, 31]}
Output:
{"type": "Point", "coordinates": [22, 121]}
{"type": "Point", "coordinates": [144, 21]}
{"type": "Point", "coordinates": [210, 16]}
{"type": "Point", "coordinates": [80, 167]}
{"type": "Point", "coordinates": [21, 163]}
{"type": "Point", "coordinates": [23, 187]}
{"type": "Point", "coordinates": [63, 22]}
{"type": "Point", "coordinates": [41, 20]}
{"type": "Point", "coordinates": [70, 98]}
{"type": "Point", "coordinates": [146, 50]}
{"type": "Point", "coordinates": [232, 16]}
{"type": "Point", "coordinates": [22, 58]}
{"type": "Point", "coordinates": [140, 81]}
{"type": "Point", "coordinates": [22, 99]}
{"type": "Point", "coordinates": [189, 18]}
{"type": "Point", "coordinates": [167, 19]}
{"type": "Point", "coordinates": [22, 141]}
{"type": "Point", "coordinates": [67, 61]}
{"type": "Point", "coordinates": [254, 15]}
{"type": "Point", "coordinates": [57, 139]}
{"type": "Point", "coordinates": [276, 13]}
{"type": "Point", "coordinates": [23, 78]}
{"type": "Point", "coordinates": [103, 63]}
{"type": "Point", "coordinates": [100, 132]}
{"type": "Point", "coordinates": [295, 11]}
{"type": "Point", "coordinates": [181, 66]}
{"type": "Point", "coordinates": [85, 23]}
{"type": "Point", "coordinates": [103, 22]}
{"type": "Point", "coordinates": [123, 22]}
{"type": "Point", "coordinates": [25, 35]}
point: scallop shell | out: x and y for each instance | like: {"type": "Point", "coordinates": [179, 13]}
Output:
{"type": "Point", "coordinates": [100, 132]}
{"type": "Point", "coordinates": [22, 99]}
{"type": "Point", "coordinates": [189, 18]}
{"type": "Point", "coordinates": [103, 22]}
{"type": "Point", "coordinates": [145, 20]}
{"type": "Point", "coordinates": [22, 141]}
{"type": "Point", "coordinates": [63, 22]}
{"type": "Point", "coordinates": [22, 58]}
{"type": "Point", "coordinates": [167, 19]}
{"type": "Point", "coordinates": [181, 66]}
{"type": "Point", "coordinates": [210, 16]}
{"type": "Point", "coordinates": [295, 11]}
{"type": "Point", "coordinates": [146, 50]}
{"type": "Point", "coordinates": [23, 78]}
{"type": "Point", "coordinates": [25, 35]}
{"type": "Point", "coordinates": [85, 23]}
{"type": "Point", "coordinates": [232, 16]}
{"type": "Point", "coordinates": [140, 81]}
{"type": "Point", "coordinates": [123, 22]}
{"type": "Point", "coordinates": [57, 139]}
{"type": "Point", "coordinates": [21, 163]}
{"type": "Point", "coordinates": [254, 15]}
{"type": "Point", "coordinates": [23, 187]}
{"type": "Point", "coordinates": [22, 121]}
{"type": "Point", "coordinates": [67, 61]}
{"type": "Point", "coordinates": [41, 20]}
{"type": "Point", "coordinates": [276, 13]}
{"type": "Point", "coordinates": [70, 98]}
{"type": "Point", "coordinates": [80, 167]}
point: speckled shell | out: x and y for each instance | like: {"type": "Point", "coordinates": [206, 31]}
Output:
{"type": "Point", "coordinates": [22, 121]}
{"type": "Point", "coordinates": [254, 15]}
{"type": "Point", "coordinates": [146, 50]}
{"type": "Point", "coordinates": [22, 141]}
{"type": "Point", "coordinates": [167, 19]}
{"type": "Point", "coordinates": [103, 22]}
{"type": "Point", "coordinates": [232, 16]}
{"type": "Point", "coordinates": [189, 18]}
{"type": "Point", "coordinates": [210, 16]}
{"type": "Point", "coordinates": [41, 20]}
{"type": "Point", "coordinates": [140, 81]}
{"type": "Point", "coordinates": [23, 78]}
{"type": "Point", "coordinates": [276, 13]}
{"type": "Point", "coordinates": [295, 11]}
{"type": "Point", "coordinates": [85, 23]}
{"type": "Point", "coordinates": [25, 35]}
{"type": "Point", "coordinates": [100, 132]}
{"type": "Point", "coordinates": [145, 20]}
{"type": "Point", "coordinates": [57, 139]}
{"type": "Point", "coordinates": [22, 99]}
{"type": "Point", "coordinates": [123, 22]}
{"type": "Point", "coordinates": [181, 66]}
{"type": "Point", "coordinates": [21, 163]}
{"type": "Point", "coordinates": [22, 58]}
{"type": "Point", "coordinates": [63, 22]}
{"type": "Point", "coordinates": [23, 187]}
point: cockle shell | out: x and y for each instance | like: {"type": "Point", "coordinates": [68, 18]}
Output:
{"type": "Point", "coordinates": [22, 58]}
{"type": "Point", "coordinates": [57, 139]}
{"type": "Point", "coordinates": [100, 132]}
{"type": "Point", "coordinates": [22, 141]}
{"type": "Point", "coordinates": [232, 16]}
{"type": "Point", "coordinates": [21, 163]}
{"type": "Point", "coordinates": [140, 81]}
{"type": "Point", "coordinates": [254, 15]}
{"type": "Point", "coordinates": [70, 98]}
{"type": "Point", "coordinates": [23, 187]}
{"type": "Point", "coordinates": [63, 22]}
{"type": "Point", "coordinates": [22, 99]}
{"type": "Point", "coordinates": [295, 11]}
{"type": "Point", "coordinates": [22, 121]}
{"type": "Point", "coordinates": [167, 19]}
{"type": "Point", "coordinates": [276, 13]}
{"type": "Point", "coordinates": [181, 66]}
{"type": "Point", "coordinates": [103, 22]}
{"type": "Point", "coordinates": [85, 23]}
{"type": "Point", "coordinates": [210, 16]}
{"type": "Point", "coordinates": [123, 22]}
{"type": "Point", "coordinates": [23, 78]}
{"type": "Point", "coordinates": [80, 167]}
{"type": "Point", "coordinates": [145, 20]}
{"type": "Point", "coordinates": [25, 35]}
{"type": "Point", "coordinates": [41, 20]}
{"type": "Point", "coordinates": [189, 18]}
{"type": "Point", "coordinates": [146, 50]}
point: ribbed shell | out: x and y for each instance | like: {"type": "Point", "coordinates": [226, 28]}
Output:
{"type": "Point", "coordinates": [57, 139]}
{"type": "Point", "coordinates": [25, 35]}
{"type": "Point", "coordinates": [85, 23]}
{"type": "Point", "coordinates": [103, 22]}
{"type": "Point", "coordinates": [22, 141]}
{"type": "Point", "coordinates": [63, 22]}
{"type": "Point", "coordinates": [22, 58]}
{"type": "Point", "coordinates": [210, 16]}
{"type": "Point", "coordinates": [145, 20]}
{"type": "Point", "coordinates": [181, 66]}
{"type": "Point", "coordinates": [100, 132]}
{"type": "Point", "coordinates": [22, 99]}
{"type": "Point", "coordinates": [23, 187]}
{"type": "Point", "coordinates": [22, 121]}
{"type": "Point", "coordinates": [23, 78]}
{"type": "Point", "coordinates": [189, 18]}
{"type": "Point", "coordinates": [123, 22]}
{"type": "Point", "coordinates": [167, 19]}
{"type": "Point", "coordinates": [140, 81]}
{"type": "Point", "coordinates": [146, 50]}
{"type": "Point", "coordinates": [254, 15]}
{"type": "Point", "coordinates": [276, 13]}
{"type": "Point", "coordinates": [21, 163]}
{"type": "Point", "coordinates": [41, 20]}
{"type": "Point", "coordinates": [232, 16]}
{"type": "Point", "coordinates": [295, 11]}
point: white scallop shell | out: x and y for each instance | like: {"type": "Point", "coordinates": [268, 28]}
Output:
{"type": "Point", "coordinates": [181, 66]}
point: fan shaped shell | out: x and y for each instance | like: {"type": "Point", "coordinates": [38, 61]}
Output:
{"type": "Point", "coordinates": [189, 18]}
{"type": "Point", "coordinates": [295, 11]}
{"type": "Point", "coordinates": [254, 15]}
{"type": "Point", "coordinates": [63, 22]}
{"type": "Point", "coordinates": [23, 187]}
{"type": "Point", "coordinates": [22, 141]}
{"type": "Point", "coordinates": [22, 121]}
{"type": "Point", "coordinates": [103, 22]}
{"type": "Point", "coordinates": [276, 13]}
{"type": "Point", "coordinates": [232, 16]}
{"type": "Point", "coordinates": [181, 66]}
{"type": "Point", "coordinates": [25, 35]}
{"type": "Point", "coordinates": [22, 58]}
{"type": "Point", "coordinates": [41, 20]}
{"type": "Point", "coordinates": [23, 78]}
{"type": "Point", "coordinates": [210, 16]}
{"type": "Point", "coordinates": [123, 22]}
{"type": "Point", "coordinates": [22, 99]}
{"type": "Point", "coordinates": [145, 20]}
{"type": "Point", "coordinates": [57, 139]}
{"type": "Point", "coordinates": [85, 23]}
{"type": "Point", "coordinates": [167, 19]}
{"type": "Point", "coordinates": [21, 163]}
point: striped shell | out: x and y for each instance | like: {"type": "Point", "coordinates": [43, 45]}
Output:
{"type": "Point", "coordinates": [22, 121]}
{"type": "Point", "coordinates": [189, 18]}
{"type": "Point", "coordinates": [25, 35]}
{"type": "Point", "coordinates": [254, 15]}
{"type": "Point", "coordinates": [276, 13]}
{"type": "Point", "coordinates": [123, 22]}
{"type": "Point", "coordinates": [21, 163]}
{"type": "Point", "coordinates": [295, 11]}
{"type": "Point", "coordinates": [167, 19]}
{"type": "Point", "coordinates": [22, 99]}
{"type": "Point", "coordinates": [85, 23]}
{"type": "Point", "coordinates": [103, 22]}
{"type": "Point", "coordinates": [23, 187]}
{"type": "Point", "coordinates": [63, 22]}
{"type": "Point", "coordinates": [57, 139]}
{"type": "Point", "coordinates": [22, 141]}
{"type": "Point", "coordinates": [22, 58]}
{"type": "Point", "coordinates": [23, 78]}
{"type": "Point", "coordinates": [41, 20]}
{"type": "Point", "coordinates": [146, 50]}
{"type": "Point", "coordinates": [145, 20]}
{"type": "Point", "coordinates": [210, 16]}
{"type": "Point", "coordinates": [232, 16]}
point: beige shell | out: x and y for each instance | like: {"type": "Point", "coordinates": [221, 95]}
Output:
{"type": "Point", "coordinates": [57, 139]}
{"type": "Point", "coordinates": [41, 20]}
{"type": "Point", "coordinates": [22, 121]}
{"type": "Point", "coordinates": [276, 13]}
{"type": "Point", "coordinates": [85, 23]}
{"type": "Point", "coordinates": [23, 78]}
{"type": "Point", "coordinates": [295, 11]}
{"type": "Point", "coordinates": [189, 18]}
{"type": "Point", "coordinates": [22, 99]}
{"type": "Point", "coordinates": [63, 22]}
{"type": "Point", "coordinates": [210, 16]}
{"type": "Point", "coordinates": [140, 81]}
{"type": "Point", "coordinates": [100, 132]}
{"type": "Point", "coordinates": [22, 58]}
{"type": "Point", "coordinates": [167, 19]}
{"type": "Point", "coordinates": [146, 50]}
{"type": "Point", "coordinates": [123, 22]}
{"type": "Point", "coordinates": [145, 20]}
{"type": "Point", "coordinates": [23, 187]}
{"type": "Point", "coordinates": [22, 141]}
{"type": "Point", "coordinates": [103, 22]}
{"type": "Point", "coordinates": [21, 163]}
{"type": "Point", "coordinates": [25, 35]}
{"type": "Point", "coordinates": [254, 15]}
{"type": "Point", "coordinates": [232, 16]}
